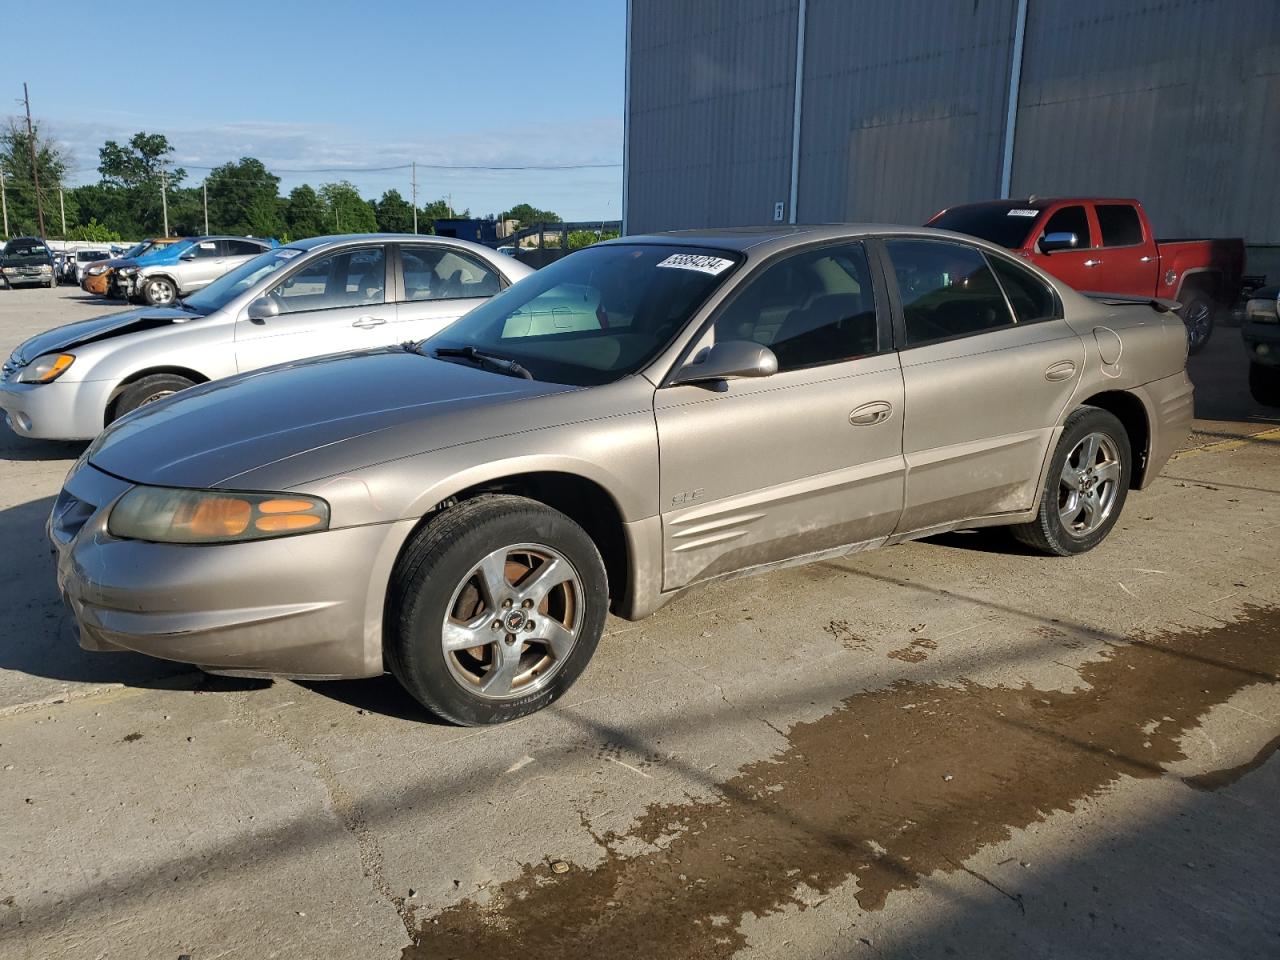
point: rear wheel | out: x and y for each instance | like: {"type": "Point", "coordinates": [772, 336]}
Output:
{"type": "Point", "coordinates": [1088, 482]}
{"type": "Point", "coordinates": [1198, 311]}
{"type": "Point", "coordinates": [159, 291]}
{"type": "Point", "coordinates": [1264, 384]}
{"type": "Point", "coordinates": [494, 610]}
{"type": "Point", "coordinates": [148, 390]}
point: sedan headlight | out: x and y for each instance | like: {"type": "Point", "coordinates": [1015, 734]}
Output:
{"type": "Point", "coordinates": [127, 271]}
{"type": "Point", "coordinates": [97, 271]}
{"type": "Point", "coordinates": [166, 515]}
{"type": "Point", "coordinates": [46, 369]}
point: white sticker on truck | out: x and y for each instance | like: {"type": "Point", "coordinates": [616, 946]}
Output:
{"type": "Point", "coordinates": [1023, 212]}
{"type": "Point", "coordinates": [697, 261]}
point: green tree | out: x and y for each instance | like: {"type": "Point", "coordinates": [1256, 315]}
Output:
{"type": "Point", "coordinates": [139, 170]}
{"type": "Point", "coordinates": [585, 238]}
{"type": "Point", "coordinates": [437, 210]}
{"type": "Point", "coordinates": [528, 215]}
{"type": "Point", "coordinates": [20, 190]}
{"type": "Point", "coordinates": [304, 214]}
{"type": "Point", "coordinates": [94, 232]}
{"type": "Point", "coordinates": [242, 199]}
{"type": "Point", "coordinates": [345, 210]}
{"type": "Point", "coordinates": [394, 213]}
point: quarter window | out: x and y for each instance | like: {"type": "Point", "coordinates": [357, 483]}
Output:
{"type": "Point", "coordinates": [352, 278]}
{"type": "Point", "coordinates": [947, 290]}
{"type": "Point", "coordinates": [1030, 297]}
{"type": "Point", "coordinates": [1119, 224]}
{"type": "Point", "coordinates": [1070, 220]}
{"type": "Point", "coordinates": [812, 308]}
{"type": "Point", "coordinates": [443, 274]}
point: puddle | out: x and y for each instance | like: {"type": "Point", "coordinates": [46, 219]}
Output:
{"type": "Point", "coordinates": [893, 785]}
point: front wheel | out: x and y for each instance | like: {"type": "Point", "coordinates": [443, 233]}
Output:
{"type": "Point", "coordinates": [148, 390]}
{"type": "Point", "coordinates": [494, 609]}
{"type": "Point", "coordinates": [1198, 310]}
{"type": "Point", "coordinates": [159, 291]}
{"type": "Point", "coordinates": [1264, 384]}
{"type": "Point", "coordinates": [1088, 482]}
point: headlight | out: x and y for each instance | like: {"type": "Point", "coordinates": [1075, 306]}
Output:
{"type": "Point", "coordinates": [46, 268]}
{"type": "Point", "coordinates": [1263, 311]}
{"type": "Point", "coordinates": [10, 269]}
{"type": "Point", "coordinates": [46, 369]}
{"type": "Point", "coordinates": [127, 271]}
{"type": "Point", "coordinates": [97, 271]}
{"type": "Point", "coordinates": [165, 515]}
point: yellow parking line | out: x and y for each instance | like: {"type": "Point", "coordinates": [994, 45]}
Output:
{"type": "Point", "coordinates": [1223, 445]}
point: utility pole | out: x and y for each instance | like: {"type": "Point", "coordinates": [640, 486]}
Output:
{"type": "Point", "coordinates": [62, 208]}
{"type": "Point", "coordinates": [35, 172]}
{"type": "Point", "coordinates": [164, 198]}
{"type": "Point", "coordinates": [5, 205]}
{"type": "Point", "coordinates": [414, 180]}
{"type": "Point", "coordinates": [205, 188]}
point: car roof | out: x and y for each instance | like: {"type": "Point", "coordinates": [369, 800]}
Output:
{"type": "Point", "coordinates": [312, 243]}
{"type": "Point", "coordinates": [766, 240]}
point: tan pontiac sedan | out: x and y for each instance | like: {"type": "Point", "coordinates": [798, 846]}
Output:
{"type": "Point", "coordinates": [641, 417]}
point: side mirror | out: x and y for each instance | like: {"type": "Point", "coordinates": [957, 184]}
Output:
{"type": "Point", "coordinates": [189, 255]}
{"type": "Point", "coordinates": [728, 360]}
{"type": "Point", "coordinates": [1053, 242]}
{"type": "Point", "coordinates": [263, 308]}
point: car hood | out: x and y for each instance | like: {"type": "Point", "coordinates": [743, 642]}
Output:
{"type": "Point", "coordinates": [99, 328]}
{"type": "Point", "coordinates": [347, 410]}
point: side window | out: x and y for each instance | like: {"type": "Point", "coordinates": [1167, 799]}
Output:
{"type": "Point", "coordinates": [352, 278]}
{"type": "Point", "coordinates": [243, 248]}
{"type": "Point", "coordinates": [207, 248]}
{"type": "Point", "coordinates": [1119, 224]}
{"type": "Point", "coordinates": [1070, 220]}
{"type": "Point", "coordinates": [947, 290]}
{"type": "Point", "coordinates": [443, 274]}
{"type": "Point", "coordinates": [1031, 297]}
{"type": "Point", "coordinates": [812, 308]}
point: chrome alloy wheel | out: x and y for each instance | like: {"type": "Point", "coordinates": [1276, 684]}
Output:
{"type": "Point", "coordinates": [158, 395]}
{"type": "Point", "coordinates": [1089, 484]}
{"type": "Point", "coordinates": [160, 292]}
{"type": "Point", "coordinates": [1197, 321]}
{"type": "Point", "coordinates": [513, 621]}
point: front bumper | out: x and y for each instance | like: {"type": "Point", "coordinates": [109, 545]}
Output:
{"type": "Point", "coordinates": [1262, 341]}
{"type": "Point", "coordinates": [308, 606]}
{"type": "Point", "coordinates": [28, 279]}
{"type": "Point", "coordinates": [97, 284]}
{"type": "Point", "coordinates": [61, 410]}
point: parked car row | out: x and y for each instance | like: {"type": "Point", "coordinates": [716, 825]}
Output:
{"type": "Point", "coordinates": [159, 272]}
{"type": "Point", "coordinates": [487, 460]}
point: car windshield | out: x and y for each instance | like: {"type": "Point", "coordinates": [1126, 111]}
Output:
{"type": "Point", "coordinates": [230, 285]}
{"type": "Point", "coordinates": [85, 256]}
{"type": "Point", "coordinates": [1007, 224]}
{"type": "Point", "coordinates": [593, 317]}
{"type": "Point", "coordinates": [25, 248]}
{"type": "Point", "coordinates": [136, 250]}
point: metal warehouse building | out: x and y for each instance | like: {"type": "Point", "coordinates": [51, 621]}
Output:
{"type": "Point", "coordinates": [750, 111]}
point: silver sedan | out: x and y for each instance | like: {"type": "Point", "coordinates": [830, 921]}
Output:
{"type": "Point", "coordinates": [317, 296]}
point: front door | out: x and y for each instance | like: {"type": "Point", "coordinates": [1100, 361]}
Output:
{"type": "Point", "coordinates": [806, 461]}
{"type": "Point", "coordinates": [199, 266]}
{"type": "Point", "coordinates": [330, 304]}
{"type": "Point", "coordinates": [1077, 267]}
{"type": "Point", "coordinates": [989, 366]}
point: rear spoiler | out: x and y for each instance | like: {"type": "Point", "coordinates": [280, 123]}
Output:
{"type": "Point", "coordinates": [1158, 304]}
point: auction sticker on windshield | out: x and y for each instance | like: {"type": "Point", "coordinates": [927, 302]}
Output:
{"type": "Point", "coordinates": [1023, 212]}
{"type": "Point", "coordinates": [696, 261]}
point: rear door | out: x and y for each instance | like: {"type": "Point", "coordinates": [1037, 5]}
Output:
{"type": "Point", "coordinates": [329, 304]}
{"type": "Point", "coordinates": [989, 366]}
{"type": "Point", "coordinates": [1079, 266]}
{"type": "Point", "coordinates": [1130, 264]}
{"type": "Point", "coordinates": [806, 461]}
{"type": "Point", "coordinates": [438, 284]}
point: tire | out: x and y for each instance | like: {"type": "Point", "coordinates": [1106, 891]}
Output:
{"type": "Point", "coordinates": [1199, 310]}
{"type": "Point", "coordinates": [159, 291]}
{"type": "Point", "coordinates": [147, 390]}
{"type": "Point", "coordinates": [1050, 532]}
{"type": "Point", "coordinates": [440, 579]}
{"type": "Point", "coordinates": [1264, 384]}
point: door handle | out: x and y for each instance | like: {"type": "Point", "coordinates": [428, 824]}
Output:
{"type": "Point", "coordinates": [1145, 259]}
{"type": "Point", "coordinates": [366, 323]}
{"type": "Point", "coordinates": [1062, 370]}
{"type": "Point", "coordinates": [877, 411]}
{"type": "Point", "coordinates": [1093, 263]}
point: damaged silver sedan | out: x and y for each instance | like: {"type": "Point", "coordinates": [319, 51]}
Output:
{"type": "Point", "coordinates": [317, 296]}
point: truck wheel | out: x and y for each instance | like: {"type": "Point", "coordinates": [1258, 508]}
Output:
{"type": "Point", "coordinates": [494, 609]}
{"type": "Point", "coordinates": [1264, 384]}
{"type": "Point", "coordinates": [1198, 310]}
{"type": "Point", "coordinates": [148, 390]}
{"type": "Point", "coordinates": [159, 291]}
{"type": "Point", "coordinates": [1087, 485]}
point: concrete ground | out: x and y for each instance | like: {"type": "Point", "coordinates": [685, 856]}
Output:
{"type": "Point", "coordinates": [945, 749]}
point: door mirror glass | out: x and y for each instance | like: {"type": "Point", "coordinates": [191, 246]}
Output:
{"type": "Point", "coordinates": [729, 360]}
{"type": "Point", "coordinates": [1053, 242]}
{"type": "Point", "coordinates": [189, 255]}
{"type": "Point", "coordinates": [263, 308]}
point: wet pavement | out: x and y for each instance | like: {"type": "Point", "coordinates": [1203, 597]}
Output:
{"type": "Point", "coordinates": [946, 749]}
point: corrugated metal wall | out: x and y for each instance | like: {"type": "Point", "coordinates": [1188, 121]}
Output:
{"type": "Point", "coordinates": [1176, 103]}
{"type": "Point", "coordinates": [903, 106]}
{"type": "Point", "coordinates": [709, 135]}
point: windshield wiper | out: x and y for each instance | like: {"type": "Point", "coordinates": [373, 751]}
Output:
{"type": "Point", "coordinates": [486, 361]}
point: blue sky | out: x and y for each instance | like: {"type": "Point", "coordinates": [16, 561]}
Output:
{"type": "Point", "coordinates": [322, 83]}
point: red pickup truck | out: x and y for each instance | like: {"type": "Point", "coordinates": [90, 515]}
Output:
{"type": "Point", "coordinates": [1106, 246]}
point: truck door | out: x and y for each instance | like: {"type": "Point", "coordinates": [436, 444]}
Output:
{"type": "Point", "coordinates": [1079, 266]}
{"type": "Point", "coordinates": [1130, 262]}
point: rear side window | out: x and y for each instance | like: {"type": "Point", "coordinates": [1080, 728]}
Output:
{"type": "Point", "coordinates": [443, 274]}
{"type": "Point", "coordinates": [1070, 220]}
{"type": "Point", "coordinates": [947, 290]}
{"type": "Point", "coordinates": [1031, 298]}
{"type": "Point", "coordinates": [243, 248]}
{"type": "Point", "coordinates": [1119, 224]}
